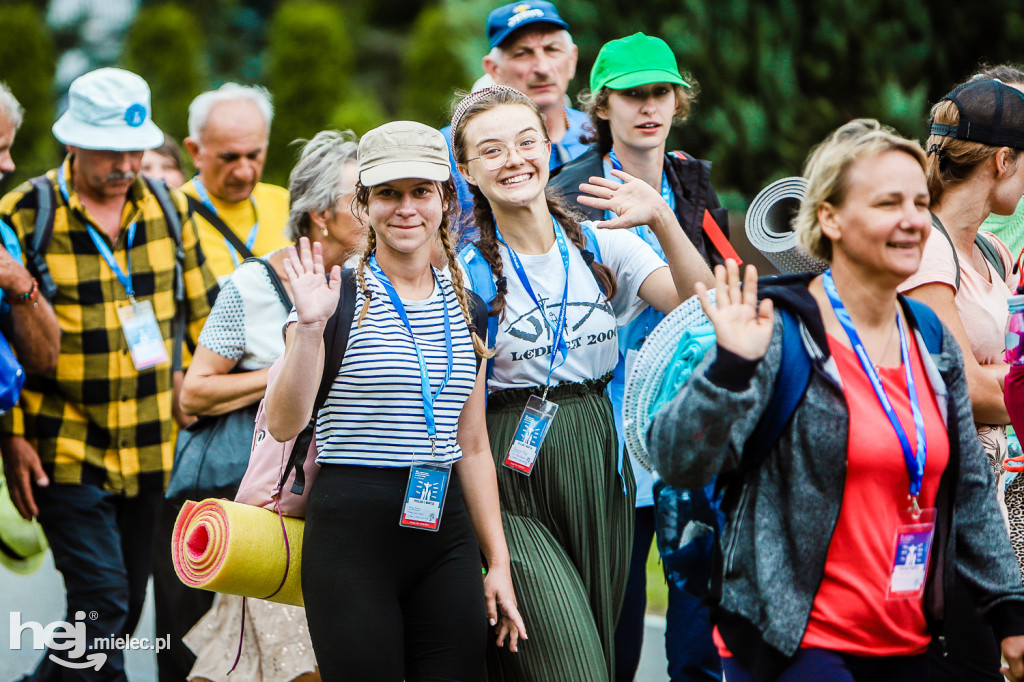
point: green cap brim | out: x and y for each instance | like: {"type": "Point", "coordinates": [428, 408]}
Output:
{"type": "Point", "coordinates": [645, 77]}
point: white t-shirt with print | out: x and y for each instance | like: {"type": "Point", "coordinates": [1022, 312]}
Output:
{"type": "Point", "coordinates": [523, 347]}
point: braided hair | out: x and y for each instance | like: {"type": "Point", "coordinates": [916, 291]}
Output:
{"type": "Point", "coordinates": [478, 103]}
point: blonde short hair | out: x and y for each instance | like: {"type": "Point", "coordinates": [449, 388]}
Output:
{"type": "Point", "coordinates": [827, 173]}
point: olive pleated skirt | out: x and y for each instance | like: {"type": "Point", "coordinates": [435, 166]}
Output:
{"type": "Point", "coordinates": [569, 528]}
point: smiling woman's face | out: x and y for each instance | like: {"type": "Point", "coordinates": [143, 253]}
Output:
{"type": "Point", "coordinates": [519, 181]}
{"type": "Point", "coordinates": [405, 214]}
{"type": "Point", "coordinates": [883, 221]}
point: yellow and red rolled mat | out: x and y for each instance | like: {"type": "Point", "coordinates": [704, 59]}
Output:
{"type": "Point", "coordinates": [234, 548]}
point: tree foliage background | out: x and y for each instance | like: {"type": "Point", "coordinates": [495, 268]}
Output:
{"type": "Point", "coordinates": [775, 75]}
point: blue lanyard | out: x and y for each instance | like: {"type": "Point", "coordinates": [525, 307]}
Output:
{"type": "Point", "coordinates": [914, 461]}
{"type": "Point", "coordinates": [558, 340]}
{"type": "Point", "coordinates": [101, 245]}
{"type": "Point", "coordinates": [428, 398]}
{"type": "Point", "coordinates": [666, 189]}
{"type": "Point", "coordinates": [250, 239]}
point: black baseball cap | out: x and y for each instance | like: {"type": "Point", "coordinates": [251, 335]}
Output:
{"type": "Point", "coordinates": [991, 113]}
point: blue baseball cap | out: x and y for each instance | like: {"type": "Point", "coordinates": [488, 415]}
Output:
{"type": "Point", "coordinates": [508, 18]}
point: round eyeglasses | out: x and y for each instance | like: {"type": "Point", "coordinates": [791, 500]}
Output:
{"type": "Point", "coordinates": [494, 155]}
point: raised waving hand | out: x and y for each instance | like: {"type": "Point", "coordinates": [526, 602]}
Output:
{"type": "Point", "coordinates": [633, 201]}
{"type": "Point", "coordinates": [314, 295]}
{"type": "Point", "coordinates": [741, 325]}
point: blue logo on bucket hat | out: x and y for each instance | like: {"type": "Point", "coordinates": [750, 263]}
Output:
{"type": "Point", "coordinates": [108, 109]}
{"type": "Point", "coordinates": [502, 21]}
{"type": "Point", "coordinates": [135, 115]}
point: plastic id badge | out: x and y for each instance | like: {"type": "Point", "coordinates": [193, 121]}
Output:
{"type": "Point", "coordinates": [913, 549]}
{"type": "Point", "coordinates": [143, 334]}
{"type": "Point", "coordinates": [533, 426]}
{"type": "Point", "coordinates": [424, 495]}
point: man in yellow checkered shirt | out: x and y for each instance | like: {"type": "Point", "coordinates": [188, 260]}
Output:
{"type": "Point", "coordinates": [96, 433]}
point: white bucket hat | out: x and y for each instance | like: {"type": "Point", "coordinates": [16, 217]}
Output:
{"type": "Point", "coordinates": [109, 109]}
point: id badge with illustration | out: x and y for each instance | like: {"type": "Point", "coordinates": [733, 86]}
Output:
{"type": "Point", "coordinates": [911, 554]}
{"type": "Point", "coordinates": [424, 495]}
{"type": "Point", "coordinates": [143, 334]}
{"type": "Point", "coordinates": [533, 427]}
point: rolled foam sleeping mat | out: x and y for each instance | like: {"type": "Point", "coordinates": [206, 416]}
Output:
{"type": "Point", "coordinates": [769, 226]}
{"type": "Point", "coordinates": [234, 548]}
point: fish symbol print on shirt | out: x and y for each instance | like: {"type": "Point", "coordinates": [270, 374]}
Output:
{"type": "Point", "coordinates": [531, 326]}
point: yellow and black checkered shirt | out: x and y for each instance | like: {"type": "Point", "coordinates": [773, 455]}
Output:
{"type": "Point", "coordinates": [95, 418]}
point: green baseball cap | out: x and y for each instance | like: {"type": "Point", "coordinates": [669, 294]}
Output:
{"type": "Point", "coordinates": [637, 60]}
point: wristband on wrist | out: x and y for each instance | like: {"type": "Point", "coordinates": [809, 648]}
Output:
{"type": "Point", "coordinates": [27, 297]}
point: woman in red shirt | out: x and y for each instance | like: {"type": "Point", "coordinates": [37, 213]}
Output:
{"type": "Point", "coordinates": [840, 545]}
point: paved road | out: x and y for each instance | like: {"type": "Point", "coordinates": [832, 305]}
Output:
{"type": "Point", "coordinates": [40, 597]}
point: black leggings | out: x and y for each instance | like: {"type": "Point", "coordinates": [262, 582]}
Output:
{"type": "Point", "coordinates": [385, 602]}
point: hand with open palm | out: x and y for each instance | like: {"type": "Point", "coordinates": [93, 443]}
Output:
{"type": "Point", "coordinates": [741, 325]}
{"type": "Point", "coordinates": [633, 201]}
{"type": "Point", "coordinates": [315, 297]}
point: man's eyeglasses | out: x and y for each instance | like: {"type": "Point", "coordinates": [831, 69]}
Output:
{"type": "Point", "coordinates": [494, 155]}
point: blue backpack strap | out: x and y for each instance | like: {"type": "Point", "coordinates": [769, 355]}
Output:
{"type": "Point", "coordinates": [481, 282]}
{"type": "Point", "coordinates": [591, 238]}
{"type": "Point", "coordinates": [927, 322]}
{"type": "Point", "coordinates": [790, 386]}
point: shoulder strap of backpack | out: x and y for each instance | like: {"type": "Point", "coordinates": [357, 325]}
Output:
{"type": "Point", "coordinates": [218, 223]}
{"type": "Point", "coordinates": [988, 249]}
{"type": "Point", "coordinates": [480, 319]}
{"type": "Point", "coordinates": [173, 221]}
{"type": "Point", "coordinates": [713, 231]}
{"type": "Point", "coordinates": [35, 254]}
{"type": "Point", "coordinates": [481, 282]}
{"type": "Point", "coordinates": [275, 280]}
{"type": "Point", "coordinates": [335, 342]}
{"type": "Point", "coordinates": [591, 238]}
{"type": "Point", "coordinates": [927, 322]}
{"type": "Point", "coordinates": [336, 336]}
{"type": "Point", "coordinates": [790, 385]}
{"type": "Point", "coordinates": [937, 224]}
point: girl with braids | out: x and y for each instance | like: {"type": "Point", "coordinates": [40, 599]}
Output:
{"type": "Point", "coordinates": [562, 290]}
{"type": "Point", "coordinates": [401, 439]}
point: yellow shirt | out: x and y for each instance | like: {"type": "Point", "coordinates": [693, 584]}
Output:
{"type": "Point", "coordinates": [271, 211]}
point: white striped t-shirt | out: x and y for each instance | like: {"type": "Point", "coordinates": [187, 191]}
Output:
{"type": "Point", "coordinates": [374, 413]}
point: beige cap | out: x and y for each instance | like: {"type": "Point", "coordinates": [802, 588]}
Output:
{"type": "Point", "coordinates": [403, 149]}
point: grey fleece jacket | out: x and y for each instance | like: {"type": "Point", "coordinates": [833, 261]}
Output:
{"type": "Point", "coordinates": [778, 531]}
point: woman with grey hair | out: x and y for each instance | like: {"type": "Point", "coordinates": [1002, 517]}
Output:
{"type": "Point", "coordinates": [241, 339]}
